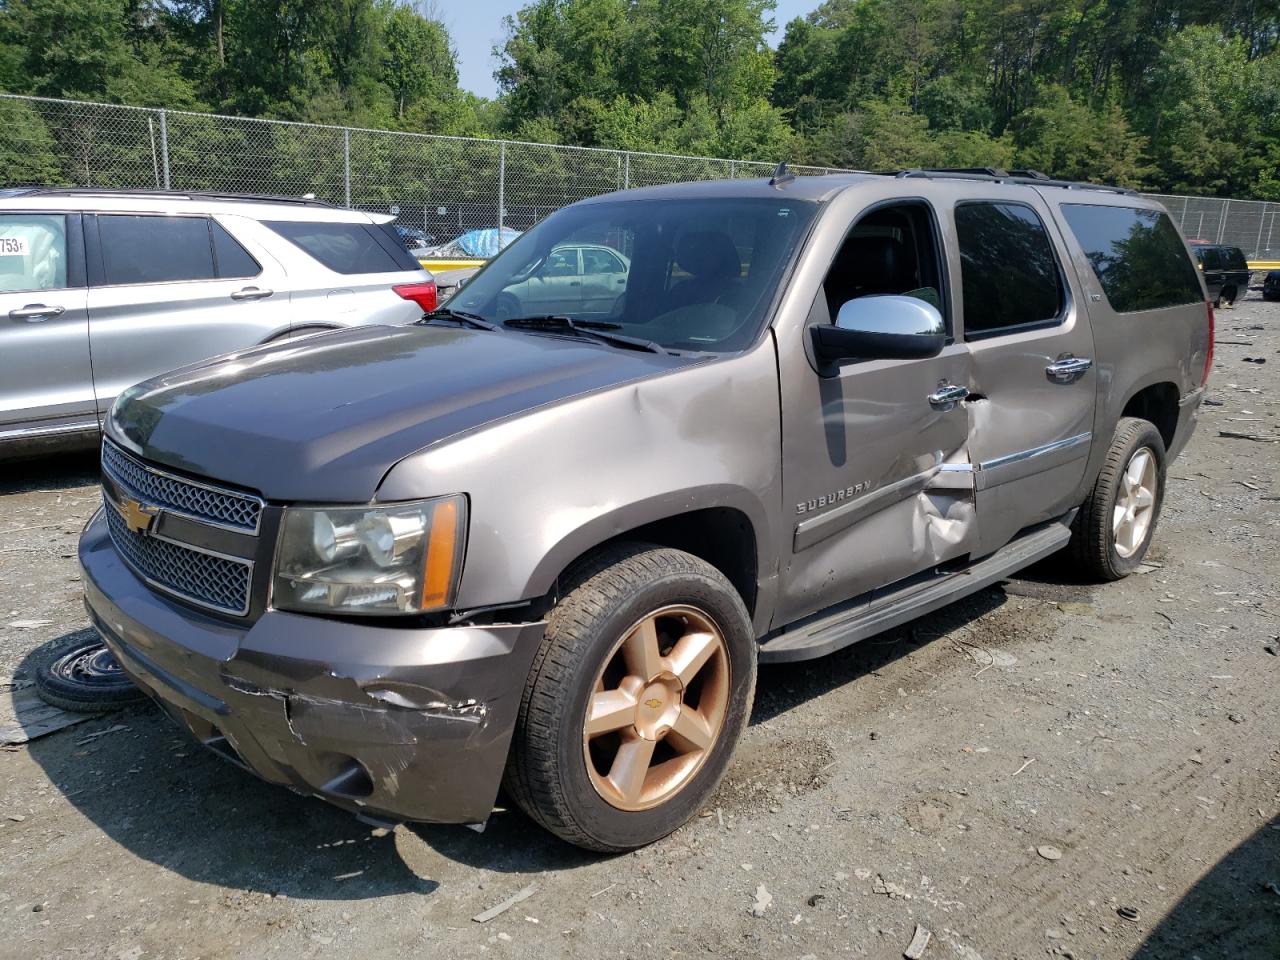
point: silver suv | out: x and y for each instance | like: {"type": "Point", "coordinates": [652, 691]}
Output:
{"type": "Point", "coordinates": [99, 290]}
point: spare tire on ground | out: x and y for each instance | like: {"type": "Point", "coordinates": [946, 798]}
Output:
{"type": "Point", "coordinates": [81, 674]}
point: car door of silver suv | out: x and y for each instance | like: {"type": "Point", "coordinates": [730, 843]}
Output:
{"type": "Point", "coordinates": [45, 380]}
{"type": "Point", "coordinates": [166, 291]}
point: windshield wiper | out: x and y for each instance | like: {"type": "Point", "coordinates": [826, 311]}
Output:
{"type": "Point", "coordinates": [598, 330]}
{"type": "Point", "coordinates": [461, 316]}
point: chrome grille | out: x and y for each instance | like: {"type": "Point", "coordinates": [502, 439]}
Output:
{"type": "Point", "coordinates": [221, 583]}
{"type": "Point", "coordinates": [199, 501]}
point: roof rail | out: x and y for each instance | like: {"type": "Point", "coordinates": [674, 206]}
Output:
{"type": "Point", "coordinates": [1032, 178]}
{"type": "Point", "coordinates": [170, 194]}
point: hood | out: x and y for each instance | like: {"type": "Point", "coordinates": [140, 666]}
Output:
{"type": "Point", "coordinates": [323, 418]}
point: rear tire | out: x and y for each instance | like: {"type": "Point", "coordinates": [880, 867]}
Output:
{"type": "Point", "coordinates": [1112, 531]}
{"type": "Point", "coordinates": [624, 731]}
{"type": "Point", "coordinates": [1228, 296]}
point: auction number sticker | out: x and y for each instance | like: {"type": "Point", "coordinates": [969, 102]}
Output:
{"type": "Point", "coordinates": [14, 247]}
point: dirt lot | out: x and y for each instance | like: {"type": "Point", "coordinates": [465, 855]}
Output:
{"type": "Point", "coordinates": [1009, 774]}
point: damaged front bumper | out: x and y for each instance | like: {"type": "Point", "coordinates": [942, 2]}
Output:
{"type": "Point", "coordinates": [392, 723]}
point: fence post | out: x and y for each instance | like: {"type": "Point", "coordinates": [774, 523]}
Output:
{"type": "Point", "coordinates": [155, 160]}
{"type": "Point", "coordinates": [1222, 220]}
{"type": "Point", "coordinates": [346, 167]}
{"type": "Point", "coordinates": [733, 170]}
{"type": "Point", "coordinates": [502, 187]}
{"type": "Point", "coordinates": [164, 146]}
{"type": "Point", "coordinates": [1262, 222]}
{"type": "Point", "coordinates": [626, 171]}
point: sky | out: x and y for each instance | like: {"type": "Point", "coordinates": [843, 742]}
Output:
{"type": "Point", "coordinates": [476, 25]}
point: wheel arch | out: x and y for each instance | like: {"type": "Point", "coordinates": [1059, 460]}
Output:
{"type": "Point", "coordinates": [1157, 403]}
{"type": "Point", "coordinates": [725, 531]}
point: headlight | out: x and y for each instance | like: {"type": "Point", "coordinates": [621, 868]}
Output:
{"type": "Point", "coordinates": [398, 558]}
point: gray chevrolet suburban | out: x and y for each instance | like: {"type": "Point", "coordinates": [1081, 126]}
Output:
{"type": "Point", "coordinates": [546, 546]}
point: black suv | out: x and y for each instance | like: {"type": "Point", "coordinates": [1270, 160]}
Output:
{"type": "Point", "coordinates": [1226, 272]}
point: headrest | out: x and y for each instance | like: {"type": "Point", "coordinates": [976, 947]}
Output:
{"type": "Point", "coordinates": [708, 255]}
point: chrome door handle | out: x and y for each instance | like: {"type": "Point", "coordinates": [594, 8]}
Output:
{"type": "Point", "coordinates": [947, 396]}
{"type": "Point", "coordinates": [35, 312]}
{"type": "Point", "coordinates": [252, 293]}
{"type": "Point", "coordinates": [1068, 369]}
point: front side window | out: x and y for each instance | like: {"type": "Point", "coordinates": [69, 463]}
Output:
{"type": "Point", "coordinates": [33, 252]}
{"type": "Point", "coordinates": [154, 249]}
{"type": "Point", "coordinates": [1137, 255]}
{"type": "Point", "coordinates": [1008, 269]}
{"type": "Point", "coordinates": [687, 274]}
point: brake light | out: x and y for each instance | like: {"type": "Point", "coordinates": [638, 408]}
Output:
{"type": "Point", "coordinates": [1208, 357]}
{"type": "Point", "coordinates": [423, 294]}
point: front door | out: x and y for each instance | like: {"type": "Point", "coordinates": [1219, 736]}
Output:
{"type": "Point", "coordinates": [874, 453]}
{"type": "Point", "coordinates": [45, 379]}
{"type": "Point", "coordinates": [1034, 385]}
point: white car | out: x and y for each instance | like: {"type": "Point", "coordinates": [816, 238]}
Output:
{"type": "Point", "coordinates": [102, 289]}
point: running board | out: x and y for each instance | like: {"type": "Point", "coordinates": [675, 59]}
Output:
{"type": "Point", "coordinates": [837, 630]}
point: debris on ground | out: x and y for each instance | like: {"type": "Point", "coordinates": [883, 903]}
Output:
{"type": "Point", "coordinates": [764, 900]}
{"type": "Point", "coordinates": [495, 911]}
{"type": "Point", "coordinates": [1049, 852]}
{"type": "Point", "coordinates": [1128, 913]}
{"type": "Point", "coordinates": [27, 717]}
{"type": "Point", "coordinates": [915, 950]}
{"type": "Point", "coordinates": [893, 891]}
{"type": "Point", "coordinates": [89, 738]}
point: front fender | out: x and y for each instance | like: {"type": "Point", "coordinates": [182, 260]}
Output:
{"type": "Point", "coordinates": [547, 485]}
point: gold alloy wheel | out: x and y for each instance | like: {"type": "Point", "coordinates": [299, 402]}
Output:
{"type": "Point", "coordinates": [657, 708]}
{"type": "Point", "coordinates": [1135, 502]}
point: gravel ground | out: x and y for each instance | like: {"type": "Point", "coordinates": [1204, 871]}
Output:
{"type": "Point", "coordinates": [1013, 774]}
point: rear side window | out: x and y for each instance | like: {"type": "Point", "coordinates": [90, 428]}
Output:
{"type": "Point", "coordinates": [347, 247]}
{"type": "Point", "coordinates": [1233, 259]}
{"type": "Point", "coordinates": [142, 249]}
{"type": "Point", "coordinates": [233, 260]}
{"type": "Point", "coordinates": [1138, 256]}
{"type": "Point", "coordinates": [33, 252]}
{"type": "Point", "coordinates": [1009, 272]}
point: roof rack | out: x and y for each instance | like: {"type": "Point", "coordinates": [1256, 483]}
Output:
{"type": "Point", "coordinates": [1032, 178]}
{"type": "Point", "coordinates": [170, 194]}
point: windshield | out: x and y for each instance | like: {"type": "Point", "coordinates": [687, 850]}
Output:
{"type": "Point", "coordinates": [686, 274]}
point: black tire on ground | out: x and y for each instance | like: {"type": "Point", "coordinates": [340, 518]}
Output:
{"type": "Point", "coordinates": [1093, 546]}
{"type": "Point", "coordinates": [1229, 295]}
{"type": "Point", "coordinates": [605, 596]}
{"type": "Point", "coordinates": [80, 674]}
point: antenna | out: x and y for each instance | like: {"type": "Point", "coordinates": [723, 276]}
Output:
{"type": "Point", "coordinates": [781, 175]}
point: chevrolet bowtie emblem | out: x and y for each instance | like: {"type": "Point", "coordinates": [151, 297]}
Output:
{"type": "Point", "coordinates": [137, 516]}
{"type": "Point", "coordinates": [653, 704]}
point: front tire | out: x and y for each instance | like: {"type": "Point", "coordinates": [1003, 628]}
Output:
{"type": "Point", "coordinates": [635, 701]}
{"type": "Point", "coordinates": [1114, 527]}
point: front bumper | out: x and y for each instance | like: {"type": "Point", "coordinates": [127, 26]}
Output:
{"type": "Point", "coordinates": [393, 723]}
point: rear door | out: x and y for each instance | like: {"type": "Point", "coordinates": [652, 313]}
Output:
{"type": "Point", "coordinates": [45, 379]}
{"type": "Point", "coordinates": [1210, 260]}
{"type": "Point", "coordinates": [166, 291]}
{"type": "Point", "coordinates": [1033, 386]}
{"type": "Point", "coordinates": [604, 278]}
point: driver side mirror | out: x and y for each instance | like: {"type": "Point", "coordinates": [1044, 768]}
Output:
{"type": "Point", "coordinates": [881, 328]}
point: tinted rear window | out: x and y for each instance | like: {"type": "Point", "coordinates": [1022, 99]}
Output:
{"type": "Point", "coordinates": [141, 249]}
{"type": "Point", "coordinates": [347, 247]}
{"type": "Point", "coordinates": [1233, 259]}
{"type": "Point", "coordinates": [1008, 270]}
{"type": "Point", "coordinates": [1138, 256]}
{"type": "Point", "coordinates": [233, 259]}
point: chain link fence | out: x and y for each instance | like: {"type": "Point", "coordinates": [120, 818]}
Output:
{"type": "Point", "coordinates": [445, 185]}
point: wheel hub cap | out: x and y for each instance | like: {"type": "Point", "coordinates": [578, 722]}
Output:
{"type": "Point", "coordinates": [1135, 503]}
{"type": "Point", "coordinates": [657, 708]}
